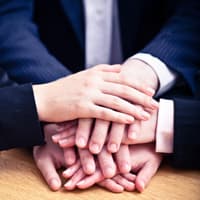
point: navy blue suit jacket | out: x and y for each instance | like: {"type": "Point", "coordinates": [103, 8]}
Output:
{"type": "Point", "coordinates": [43, 40]}
{"type": "Point", "coordinates": [19, 124]}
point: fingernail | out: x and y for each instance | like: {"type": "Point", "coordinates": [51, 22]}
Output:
{"type": "Point", "coordinates": [145, 115]}
{"type": "Point", "coordinates": [94, 148]}
{"type": "Point", "coordinates": [69, 183]}
{"type": "Point", "coordinates": [113, 148]}
{"type": "Point", "coordinates": [154, 104]}
{"type": "Point", "coordinates": [151, 91]}
{"type": "Point", "coordinates": [54, 183]}
{"type": "Point", "coordinates": [55, 138]}
{"type": "Point", "coordinates": [62, 141]}
{"type": "Point", "coordinates": [142, 185]}
{"type": "Point", "coordinates": [126, 167]}
{"type": "Point", "coordinates": [130, 119]}
{"type": "Point", "coordinates": [67, 173]}
{"type": "Point", "coordinates": [81, 142]}
{"type": "Point", "coordinates": [132, 135]}
{"type": "Point", "coordinates": [80, 183]}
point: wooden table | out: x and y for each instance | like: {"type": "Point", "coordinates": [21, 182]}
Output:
{"type": "Point", "coordinates": [20, 180]}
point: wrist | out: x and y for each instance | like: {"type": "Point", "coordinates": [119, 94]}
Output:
{"type": "Point", "coordinates": [153, 81]}
{"type": "Point", "coordinates": [40, 97]}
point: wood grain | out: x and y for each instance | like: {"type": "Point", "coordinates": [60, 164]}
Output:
{"type": "Point", "coordinates": [20, 180]}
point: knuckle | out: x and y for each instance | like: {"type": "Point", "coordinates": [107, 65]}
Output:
{"type": "Point", "coordinates": [116, 102]}
{"type": "Point", "coordinates": [102, 113]}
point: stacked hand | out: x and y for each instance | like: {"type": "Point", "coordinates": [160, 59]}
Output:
{"type": "Point", "coordinates": [104, 152]}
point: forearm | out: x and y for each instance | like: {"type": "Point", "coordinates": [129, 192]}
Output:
{"type": "Point", "coordinates": [20, 126]}
{"type": "Point", "coordinates": [186, 133]}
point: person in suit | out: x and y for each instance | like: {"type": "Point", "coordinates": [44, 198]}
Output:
{"type": "Point", "coordinates": [52, 35]}
{"type": "Point", "coordinates": [51, 103]}
{"type": "Point", "coordinates": [176, 137]}
{"type": "Point", "coordinates": [51, 40]}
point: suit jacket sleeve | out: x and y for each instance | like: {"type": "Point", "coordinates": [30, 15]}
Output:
{"type": "Point", "coordinates": [178, 42]}
{"type": "Point", "coordinates": [23, 56]}
{"type": "Point", "coordinates": [19, 124]}
{"type": "Point", "coordinates": [186, 133]}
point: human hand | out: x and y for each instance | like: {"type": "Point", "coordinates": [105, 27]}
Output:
{"type": "Point", "coordinates": [103, 167]}
{"type": "Point", "coordinates": [78, 179]}
{"type": "Point", "coordinates": [141, 131]}
{"type": "Point", "coordinates": [50, 157]}
{"type": "Point", "coordinates": [140, 75]}
{"type": "Point", "coordinates": [145, 163]}
{"type": "Point", "coordinates": [108, 163]}
{"type": "Point", "coordinates": [93, 134]}
{"type": "Point", "coordinates": [98, 92]}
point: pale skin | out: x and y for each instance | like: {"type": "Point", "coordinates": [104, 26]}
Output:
{"type": "Point", "coordinates": [49, 158]}
{"type": "Point", "coordinates": [99, 92]}
{"type": "Point", "coordinates": [136, 74]}
{"type": "Point", "coordinates": [144, 132]}
{"type": "Point", "coordinates": [103, 157]}
{"type": "Point", "coordinates": [144, 162]}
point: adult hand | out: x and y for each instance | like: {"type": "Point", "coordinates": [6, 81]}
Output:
{"type": "Point", "coordinates": [141, 131]}
{"type": "Point", "coordinates": [93, 134]}
{"type": "Point", "coordinates": [95, 93]}
{"type": "Point", "coordinates": [139, 75]}
{"type": "Point", "coordinates": [105, 169]}
{"type": "Point", "coordinates": [145, 163]}
{"type": "Point", "coordinates": [50, 157]}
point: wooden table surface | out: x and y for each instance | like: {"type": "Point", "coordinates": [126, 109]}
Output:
{"type": "Point", "coordinates": [20, 180]}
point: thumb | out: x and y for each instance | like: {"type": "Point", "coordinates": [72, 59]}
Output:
{"type": "Point", "coordinates": [145, 174]}
{"type": "Point", "coordinates": [48, 170]}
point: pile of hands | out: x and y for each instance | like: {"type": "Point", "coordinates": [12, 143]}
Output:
{"type": "Point", "coordinates": [116, 156]}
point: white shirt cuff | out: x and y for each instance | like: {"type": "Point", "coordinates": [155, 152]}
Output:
{"type": "Point", "coordinates": [165, 127]}
{"type": "Point", "coordinates": [166, 77]}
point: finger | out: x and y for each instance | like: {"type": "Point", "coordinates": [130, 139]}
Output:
{"type": "Point", "coordinates": [83, 132]}
{"type": "Point", "coordinates": [71, 184]}
{"type": "Point", "coordinates": [54, 128]}
{"type": "Point", "coordinates": [101, 112]}
{"type": "Point", "coordinates": [145, 174]}
{"type": "Point", "coordinates": [129, 176]}
{"type": "Point", "coordinates": [115, 137]}
{"type": "Point", "coordinates": [90, 180]}
{"type": "Point", "coordinates": [111, 185]}
{"type": "Point", "coordinates": [106, 163]}
{"type": "Point", "coordinates": [48, 170]}
{"type": "Point", "coordinates": [126, 184]}
{"type": "Point", "coordinates": [87, 161]}
{"type": "Point", "coordinates": [64, 134]}
{"type": "Point", "coordinates": [107, 68]}
{"type": "Point", "coordinates": [129, 93]}
{"type": "Point", "coordinates": [69, 156]}
{"type": "Point", "coordinates": [121, 105]}
{"type": "Point", "coordinates": [118, 78]}
{"type": "Point", "coordinates": [134, 130]}
{"type": "Point", "coordinates": [123, 159]}
{"type": "Point", "coordinates": [72, 170]}
{"type": "Point", "coordinates": [98, 136]}
{"type": "Point", "coordinates": [67, 142]}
